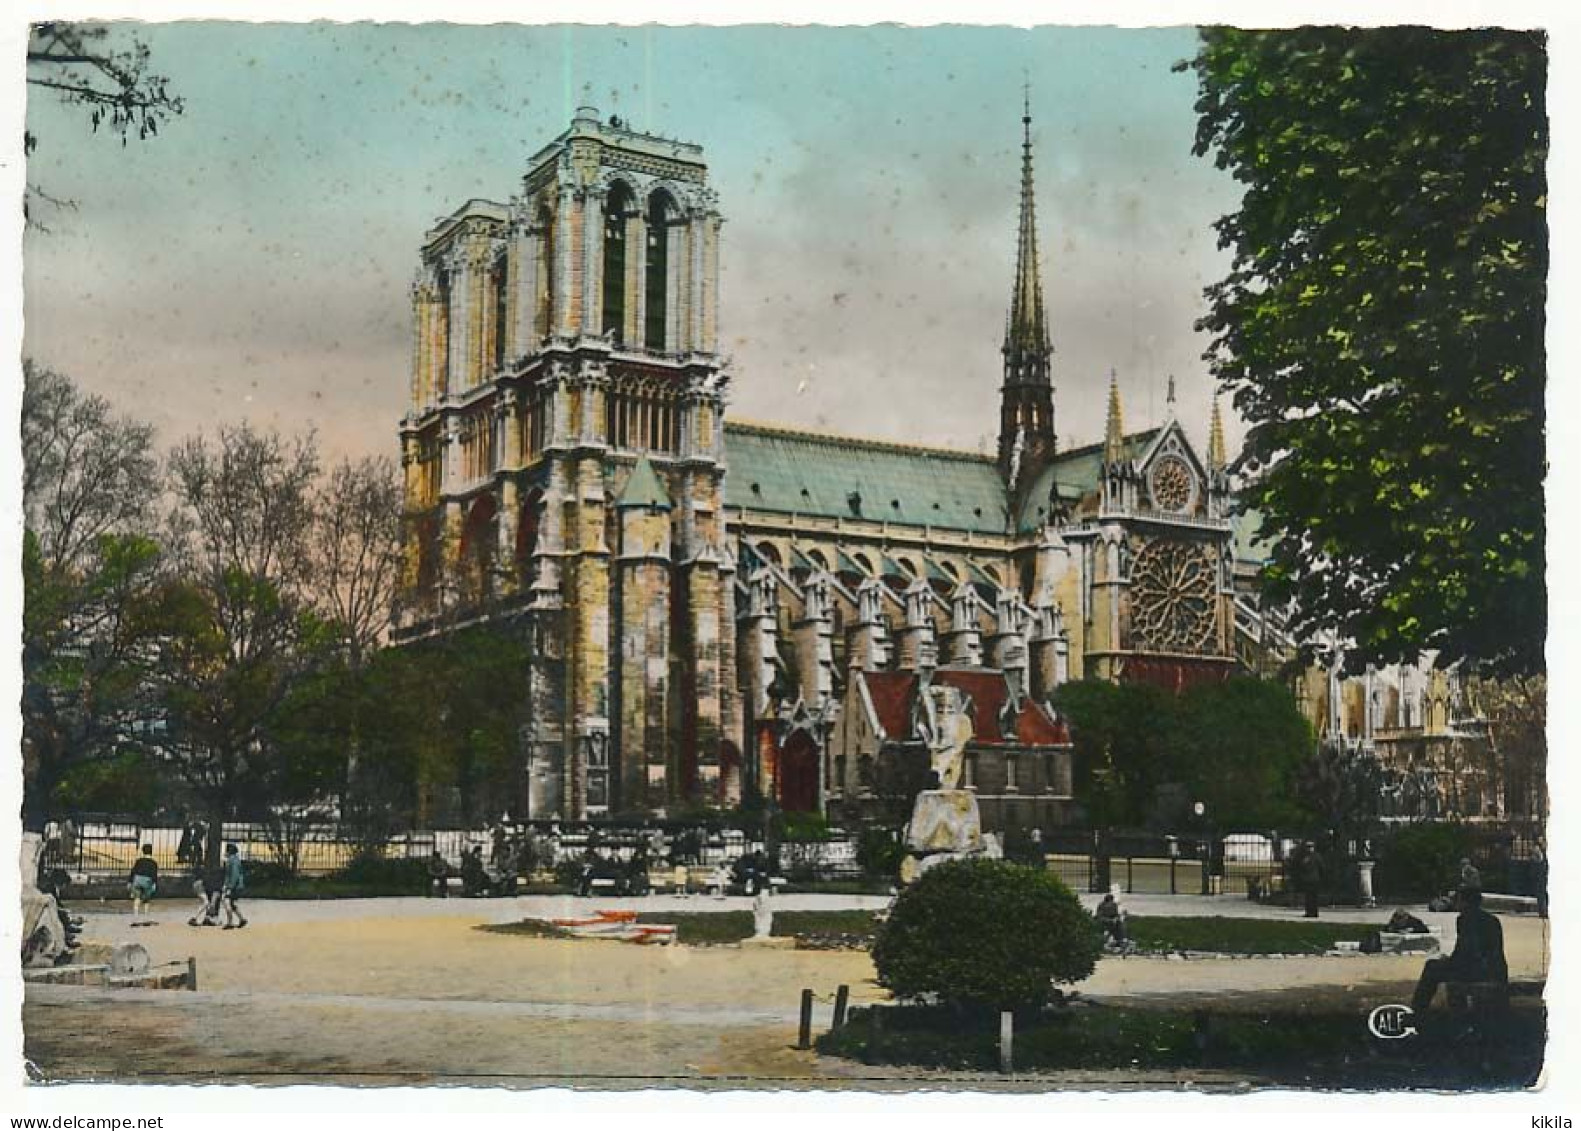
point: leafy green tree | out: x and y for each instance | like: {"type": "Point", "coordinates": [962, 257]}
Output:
{"type": "Point", "coordinates": [1381, 326]}
{"type": "Point", "coordinates": [984, 934]}
{"type": "Point", "coordinates": [1121, 734]}
{"type": "Point", "coordinates": [1238, 746]}
{"type": "Point", "coordinates": [440, 726]}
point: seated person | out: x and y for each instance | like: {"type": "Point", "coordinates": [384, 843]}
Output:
{"type": "Point", "coordinates": [1111, 919]}
{"type": "Point", "coordinates": [438, 875]}
{"type": "Point", "coordinates": [142, 884]}
{"type": "Point", "coordinates": [1478, 954]}
{"type": "Point", "coordinates": [474, 880]}
{"type": "Point", "coordinates": [1404, 923]}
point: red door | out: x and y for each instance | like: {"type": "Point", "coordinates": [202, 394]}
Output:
{"type": "Point", "coordinates": [798, 777]}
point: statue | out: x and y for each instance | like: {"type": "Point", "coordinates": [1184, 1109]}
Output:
{"type": "Point", "coordinates": [946, 727]}
{"type": "Point", "coordinates": [762, 916]}
{"type": "Point", "coordinates": [945, 821]}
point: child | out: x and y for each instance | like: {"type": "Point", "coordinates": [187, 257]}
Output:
{"type": "Point", "coordinates": [232, 890]}
{"type": "Point", "coordinates": [143, 882]}
{"type": "Point", "coordinates": [206, 885]}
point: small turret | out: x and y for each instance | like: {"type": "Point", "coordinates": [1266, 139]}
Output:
{"type": "Point", "coordinates": [1114, 427]}
{"type": "Point", "coordinates": [1217, 459]}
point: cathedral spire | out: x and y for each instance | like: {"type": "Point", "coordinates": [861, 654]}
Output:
{"type": "Point", "coordinates": [1217, 459]}
{"type": "Point", "coordinates": [1113, 428]}
{"type": "Point", "coordinates": [1028, 328]}
{"type": "Point", "coordinates": [1027, 396]}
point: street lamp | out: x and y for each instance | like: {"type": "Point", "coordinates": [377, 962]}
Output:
{"type": "Point", "coordinates": [1206, 854]}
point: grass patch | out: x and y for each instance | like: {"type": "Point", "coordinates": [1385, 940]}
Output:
{"type": "Point", "coordinates": [718, 928]}
{"type": "Point", "coordinates": [1241, 936]}
{"type": "Point", "coordinates": [1318, 1048]}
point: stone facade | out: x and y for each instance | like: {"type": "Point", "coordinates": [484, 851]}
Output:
{"type": "Point", "coordinates": [708, 600]}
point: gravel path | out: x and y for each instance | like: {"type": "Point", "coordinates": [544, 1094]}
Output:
{"type": "Point", "coordinates": [408, 991]}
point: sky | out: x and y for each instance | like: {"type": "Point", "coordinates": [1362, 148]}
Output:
{"type": "Point", "coordinates": [253, 260]}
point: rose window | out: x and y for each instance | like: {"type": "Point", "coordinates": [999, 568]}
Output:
{"type": "Point", "coordinates": [1171, 485]}
{"type": "Point", "coordinates": [1172, 598]}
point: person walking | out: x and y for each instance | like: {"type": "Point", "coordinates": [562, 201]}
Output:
{"type": "Point", "coordinates": [234, 884]}
{"type": "Point", "coordinates": [142, 884]}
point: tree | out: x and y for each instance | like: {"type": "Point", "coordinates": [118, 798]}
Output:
{"type": "Point", "coordinates": [1341, 788]}
{"type": "Point", "coordinates": [1237, 747]}
{"type": "Point", "coordinates": [106, 73]}
{"type": "Point", "coordinates": [984, 934]}
{"type": "Point", "coordinates": [354, 552]}
{"type": "Point", "coordinates": [1120, 732]}
{"type": "Point", "coordinates": [238, 630]}
{"type": "Point", "coordinates": [1381, 327]}
{"type": "Point", "coordinates": [89, 573]}
{"type": "Point", "coordinates": [354, 561]}
{"type": "Point", "coordinates": [1516, 710]}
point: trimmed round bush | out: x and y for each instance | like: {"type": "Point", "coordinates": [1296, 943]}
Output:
{"type": "Point", "coordinates": [985, 934]}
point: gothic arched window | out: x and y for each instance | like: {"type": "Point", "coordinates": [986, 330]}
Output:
{"type": "Point", "coordinates": [617, 209]}
{"type": "Point", "coordinates": [443, 376]}
{"type": "Point", "coordinates": [661, 206]}
{"type": "Point", "coordinates": [499, 281]}
{"type": "Point", "coordinates": [543, 300]}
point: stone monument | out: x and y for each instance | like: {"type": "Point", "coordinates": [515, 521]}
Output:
{"type": "Point", "coordinates": [945, 822]}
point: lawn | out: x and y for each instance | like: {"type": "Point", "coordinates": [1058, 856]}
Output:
{"type": "Point", "coordinates": [1325, 1048]}
{"type": "Point", "coordinates": [1242, 936]}
{"type": "Point", "coordinates": [1158, 934]}
{"type": "Point", "coordinates": [715, 928]}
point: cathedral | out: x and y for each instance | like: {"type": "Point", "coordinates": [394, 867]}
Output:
{"type": "Point", "coordinates": [715, 608]}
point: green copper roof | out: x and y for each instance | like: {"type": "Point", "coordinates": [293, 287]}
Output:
{"type": "Point", "coordinates": [1073, 474]}
{"type": "Point", "coordinates": [814, 474]}
{"type": "Point", "coordinates": [643, 488]}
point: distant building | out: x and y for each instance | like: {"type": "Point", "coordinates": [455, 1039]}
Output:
{"type": "Point", "coordinates": [716, 606]}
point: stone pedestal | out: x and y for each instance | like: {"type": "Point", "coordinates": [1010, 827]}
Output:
{"type": "Point", "coordinates": [945, 825]}
{"type": "Point", "coordinates": [945, 820]}
{"type": "Point", "coordinates": [1364, 874]}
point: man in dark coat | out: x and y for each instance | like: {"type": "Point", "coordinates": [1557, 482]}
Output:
{"type": "Point", "coordinates": [1306, 865]}
{"type": "Point", "coordinates": [1478, 954]}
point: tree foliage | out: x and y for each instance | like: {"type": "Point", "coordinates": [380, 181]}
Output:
{"type": "Point", "coordinates": [1236, 746]}
{"type": "Point", "coordinates": [1381, 326]}
{"type": "Point", "coordinates": [1120, 732]}
{"type": "Point", "coordinates": [90, 574]}
{"type": "Point", "coordinates": [984, 934]}
{"type": "Point", "coordinates": [238, 626]}
{"type": "Point", "coordinates": [1516, 710]}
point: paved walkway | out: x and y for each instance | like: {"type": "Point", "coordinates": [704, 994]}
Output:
{"type": "Point", "coordinates": [407, 989]}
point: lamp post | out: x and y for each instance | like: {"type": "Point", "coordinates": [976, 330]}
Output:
{"type": "Point", "coordinates": [1206, 853]}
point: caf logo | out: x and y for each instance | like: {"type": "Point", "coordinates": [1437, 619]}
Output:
{"type": "Point", "coordinates": [1391, 1022]}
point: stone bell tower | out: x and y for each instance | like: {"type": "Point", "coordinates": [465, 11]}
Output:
{"type": "Point", "coordinates": [569, 397]}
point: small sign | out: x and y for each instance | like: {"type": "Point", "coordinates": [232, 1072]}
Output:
{"type": "Point", "coordinates": [1391, 1022]}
